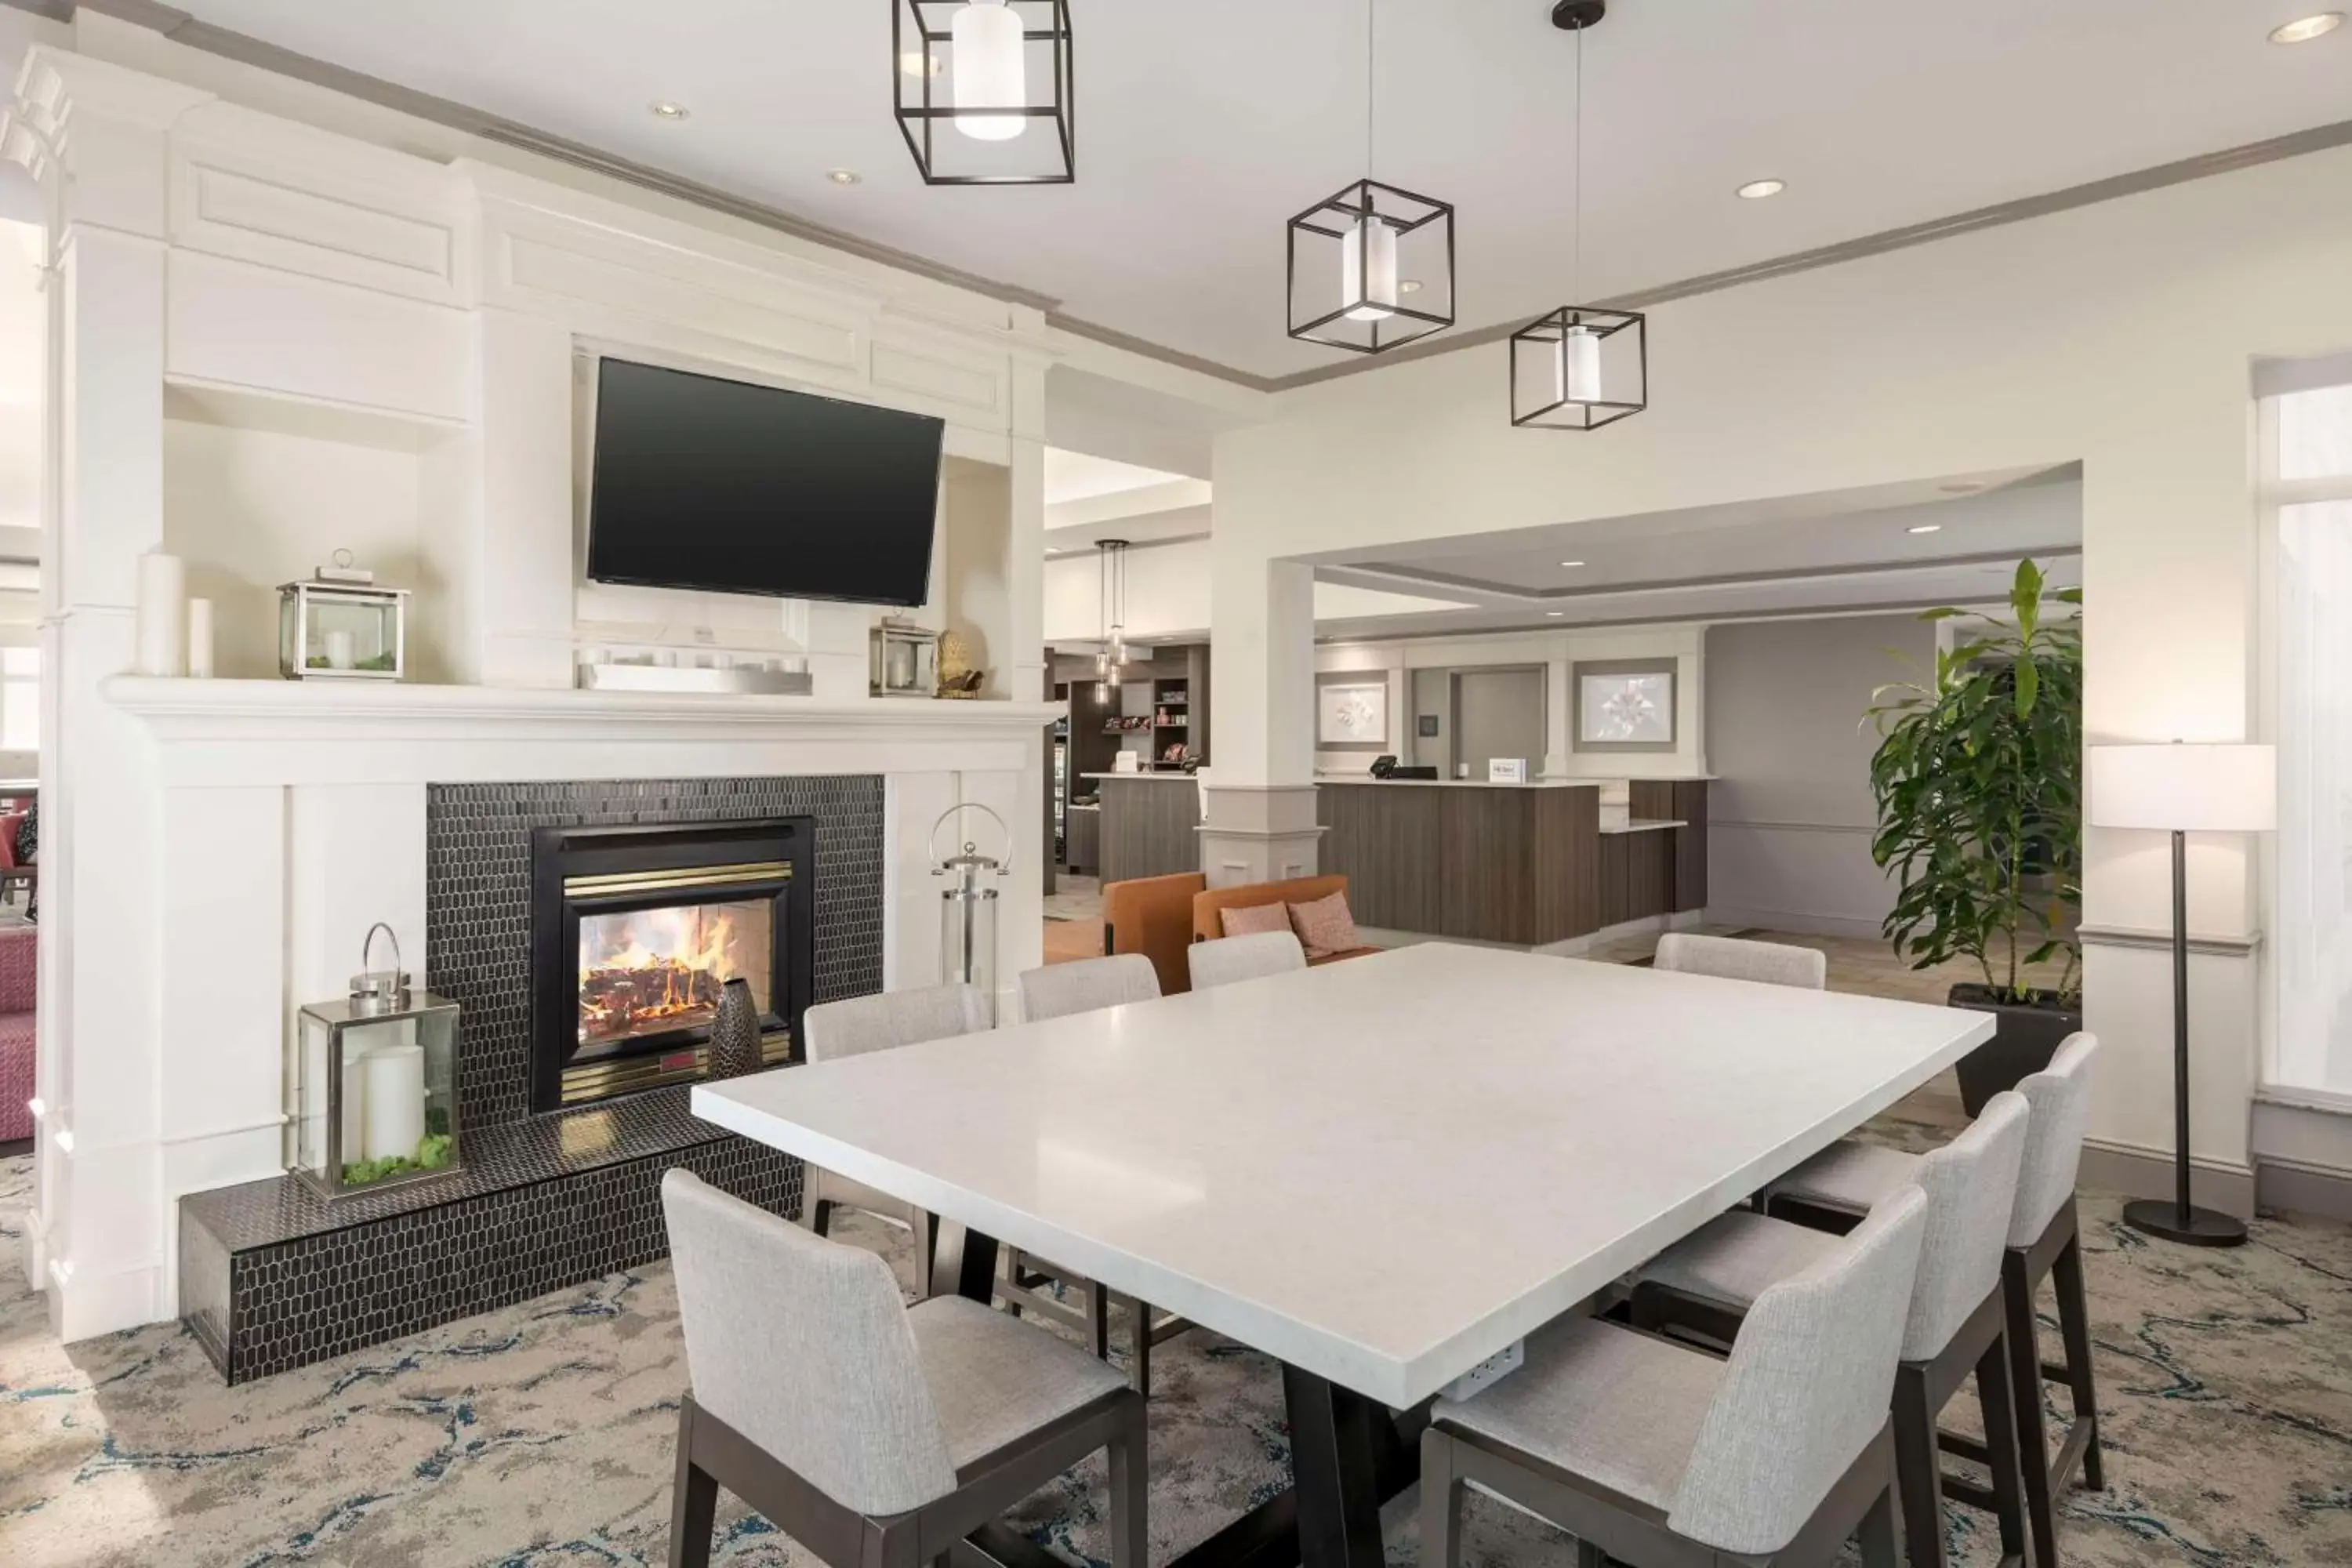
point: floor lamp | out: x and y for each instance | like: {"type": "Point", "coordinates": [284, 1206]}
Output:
{"type": "Point", "coordinates": [2184, 788]}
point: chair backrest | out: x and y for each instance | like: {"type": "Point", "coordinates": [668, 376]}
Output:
{"type": "Point", "coordinates": [1971, 1187]}
{"type": "Point", "coordinates": [1208, 908]}
{"type": "Point", "coordinates": [2059, 1094]}
{"type": "Point", "coordinates": [1153, 916]}
{"type": "Point", "coordinates": [1231, 958]}
{"type": "Point", "coordinates": [801, 1346]}
{"type": "Point", "coordinates": [1087, 985]}
{"type": "Point", "coordinates": [832, 1030]}
{"type": "Point", "coordinates": [1807, 1388]}
{"type": "Point", "coordinates": [1734, 958]}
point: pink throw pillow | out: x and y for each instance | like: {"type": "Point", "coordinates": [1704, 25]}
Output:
{"type": "Point", "coordinates": [1325, 927]}
{"type": "Point", "coordinates": [1251, 918]}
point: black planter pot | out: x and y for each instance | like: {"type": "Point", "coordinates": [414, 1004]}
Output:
{"type": "Point", "coordinates": [2027, 1035]}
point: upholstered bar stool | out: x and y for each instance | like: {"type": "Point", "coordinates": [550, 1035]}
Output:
{"type": "Point", "coordinates": [2044, 1242]}
{"type": "Point", "coordinates": [832, 1030]}
{"type": "Point", "coordinates": [1734, 958]}
{"type": "Point", "coordinates": [1253, 957]}
{"type": "Point", "coordinates": [1957, 1324]}
{"type": "Point", "coordinates": [876, 1436]}
{"type": "Point", "coordinates": [1054, 991]}
{"type": "Point", "coordinates": [1663, 1457]}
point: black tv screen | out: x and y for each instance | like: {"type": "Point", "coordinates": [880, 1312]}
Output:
{"type": "Point", "coordinates": [720, 485]}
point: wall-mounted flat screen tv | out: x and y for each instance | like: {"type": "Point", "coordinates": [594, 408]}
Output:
{"type": "Point", "coordinates": [704, 483]}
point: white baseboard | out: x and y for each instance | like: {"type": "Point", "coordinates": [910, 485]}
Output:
{"type": "Point", "coordinates": [82, 1306]}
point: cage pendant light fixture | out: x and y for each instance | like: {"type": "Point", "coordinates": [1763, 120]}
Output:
{"type": "Point", "coordinates": [983, 91]}
{"type": "Point", "coordinates": [1580, 366]}
{"type": "Point", "coordinates": [1371, 266]}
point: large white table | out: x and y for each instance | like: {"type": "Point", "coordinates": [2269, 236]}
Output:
{"type": "Point", "coordinates": [1378, 1172]}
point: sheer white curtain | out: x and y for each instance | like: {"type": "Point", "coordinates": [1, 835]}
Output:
{"type": "Point", "coordinates": [2309, 484]}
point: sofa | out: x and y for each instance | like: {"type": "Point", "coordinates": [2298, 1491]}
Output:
{"type": "Point", "coordinates": [1208, 907]}
{"type": "Point", "coordinates": [19, 951]}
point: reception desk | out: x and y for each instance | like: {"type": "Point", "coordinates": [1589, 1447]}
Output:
{"type": "Point", "coordinates": [1150, 823]}
{"type": "Point", "coordinates": [1531, 864]}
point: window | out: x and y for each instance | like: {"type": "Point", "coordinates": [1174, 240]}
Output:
{"type": "Point", "coordinates": [2307, 442]}
{"type": "Point", "coordinates": [20, 699]}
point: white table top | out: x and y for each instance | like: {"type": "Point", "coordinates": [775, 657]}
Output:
{"type": "Point", "coordinates": [1382, 1171]}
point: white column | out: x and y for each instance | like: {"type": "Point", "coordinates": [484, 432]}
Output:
{"type": "Point", "coordinates": [1262, 823]}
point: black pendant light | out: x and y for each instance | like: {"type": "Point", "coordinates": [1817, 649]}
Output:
{"type": "Point", "coordinates": [1371, 267]}
{"type": "Point", "coordinates": [983, 89]}
{"type": "Point", "coordinates": [1580, 366]}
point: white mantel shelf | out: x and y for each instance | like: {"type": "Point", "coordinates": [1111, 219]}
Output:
{"type": "Point", "coordinates": [226, 732]}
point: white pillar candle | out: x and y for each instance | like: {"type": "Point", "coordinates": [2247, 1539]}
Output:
{"type": "Point", "coordinates": [162, 615]}
{"type": "Point", "coordinates": [395, 1101]}
{"type": "Point", "coordinates": [339, 651]}
{"type": "Point", "coordinates": [200, 638]}
{"type": "Point", "coordinates": [354, 1122]}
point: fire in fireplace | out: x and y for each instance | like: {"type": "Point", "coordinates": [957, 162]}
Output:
{"type": "Point", "coordinates": [635, 931]}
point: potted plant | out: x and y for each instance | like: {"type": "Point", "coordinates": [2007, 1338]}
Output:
{"type": "Point", "coordinates": [1977, 778]}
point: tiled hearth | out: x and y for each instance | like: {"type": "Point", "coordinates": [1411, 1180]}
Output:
{"type": "Point", "coordinates": [272, 1278]}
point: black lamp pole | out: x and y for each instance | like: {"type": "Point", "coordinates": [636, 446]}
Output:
{"type": "Point", "coordinates": [2181, 1220]}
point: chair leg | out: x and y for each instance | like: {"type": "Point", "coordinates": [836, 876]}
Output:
{"type": "Point", "coordinates": [1917, 1474]}
{"type": "Point", "coordinates": [1095, 1301]}
{"type": "Point", "coordinates": [2074, 1326]}
{"type": "Point", "coordinates": [819, 1212]}
{"type": "Point", "coordinates": [2025, 1383]}
{"type": "Point", "coordinates": [1878, 1533]}
{"type": "Point", "coordinates": [2001, 1454]}
{"type": "Point", "coordinates": [1139, 1360]}
{"type": "Point", "coordinates": [1440, 1504]}
{"type": "Point", "coordinates": [693, 1503]}
{"type": "Point", "coordinates": [918, 1221]}
{"type": "Point", "coordinates": [1130, 1494]}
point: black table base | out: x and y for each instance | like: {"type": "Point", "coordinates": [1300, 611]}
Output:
{"type": "Point", "coordinates": [1349, 1455]}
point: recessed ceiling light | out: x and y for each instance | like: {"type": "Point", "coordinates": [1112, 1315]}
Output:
{"type": "Point", "coordinates": [844, 176]}
{"type": "Point", "coordinates": [1408, 286]}
{"type": "Point", "coordinates": [2305, 29]}
{"type": "Point", "coordinates": [663, 108]}
{"type": "Point", "coordinates": [1925, 528]}
{"type": "Point", "coordinates": [1571, 563]}
{"type": "Point", "coordinates": [1555, 614]}
{"type": "Point", "coordinates": [1757, 190]}
{"type": "Point", "coordinates": [921, 63]}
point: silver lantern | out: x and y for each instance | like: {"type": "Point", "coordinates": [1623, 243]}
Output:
{"type": "Point", "coordinates": [967, 908]}
{"type": "Point", "coordinates": [374, 1084]}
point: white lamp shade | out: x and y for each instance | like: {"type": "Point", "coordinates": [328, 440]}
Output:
{"type": "Point", "coordinates": [990, 72]}
{"type": "Point", "coordinates": [2185, 787]}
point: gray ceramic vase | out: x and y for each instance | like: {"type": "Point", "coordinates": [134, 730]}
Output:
{"type": "Point", "coordinates": [735, 1032]}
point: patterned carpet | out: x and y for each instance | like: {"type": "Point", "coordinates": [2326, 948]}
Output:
{"type": "Point", "coordinates": [541, 1434]}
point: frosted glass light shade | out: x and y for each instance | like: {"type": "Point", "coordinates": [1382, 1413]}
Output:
{"type": "Point", "coordinates": [2185, 787]}
{"type": "Point", "coordinates": [989, 71]}
{"type": "Point", "coordinates": [1368, 269]}
{"type": "Point", "coordinates": [1579, 371]}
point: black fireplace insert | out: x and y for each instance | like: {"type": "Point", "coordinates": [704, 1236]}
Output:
{"type": "Point", "coordinates": [635, 931]}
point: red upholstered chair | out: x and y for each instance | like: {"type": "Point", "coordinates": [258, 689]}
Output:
{"type": "Point", "coordinates": [19, 949]}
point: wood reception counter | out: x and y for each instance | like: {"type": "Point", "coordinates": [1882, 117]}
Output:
{"type": "Point", "coordinates": [1150, 823]}
{"type": "Point", "coordinates": [1527, 863]}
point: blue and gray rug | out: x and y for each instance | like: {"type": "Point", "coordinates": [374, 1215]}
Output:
{"type": "Point", "coordinates": [540, 1435]}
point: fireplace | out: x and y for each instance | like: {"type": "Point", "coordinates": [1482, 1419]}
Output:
{"type": "Point", "coordinates": [634, 931]}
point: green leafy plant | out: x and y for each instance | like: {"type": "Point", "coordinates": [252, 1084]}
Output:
{"type": "Point", "coordinates": [1977, 778]}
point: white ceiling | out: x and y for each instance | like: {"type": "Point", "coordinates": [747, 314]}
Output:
{"type": "Point", "coordinates": [1841, 554]}
{"type": "Point", "coordinates": [1202, 128]}
{"type": "Point", "coordinates": [1076, 477]}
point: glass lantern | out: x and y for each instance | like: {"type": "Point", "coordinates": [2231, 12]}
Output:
{"type": "Point", "coordinates": [374, 1085]}
{"type": "Point", "coordinates": [906, 661]}
{"type": "Point", "coordinates": [340, 626]}
{"type": "Point", "coordinates": [967, 909]}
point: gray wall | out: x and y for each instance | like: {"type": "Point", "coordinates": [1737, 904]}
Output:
{"type": "Point", "coordinates": [1789, 813]}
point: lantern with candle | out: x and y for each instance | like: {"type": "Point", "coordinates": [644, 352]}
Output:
{"type": "Point", "coordinates": [374, 1083]}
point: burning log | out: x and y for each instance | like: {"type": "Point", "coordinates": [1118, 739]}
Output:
{"type": "Point", "coordinates": [616, 1003]}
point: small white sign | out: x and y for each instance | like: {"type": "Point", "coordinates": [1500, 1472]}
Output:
{"type": "Point", "coordinates": [1507, 769]}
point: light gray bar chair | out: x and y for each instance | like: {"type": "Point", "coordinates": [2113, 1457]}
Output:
{"type": "Point", "coordinates": [1054, 991]}
{"type": "Point", "coordinates": [876, 1436]}
{"type": "Point", "coordinates": [2044, 1242]}
{"type": "Point", "coordinates": [1663, 1457]}
{"type": "Point", "coordinates": [1709, 1283]}
{"type": "Point", "coordinates": [1734, 958]}
{"type": "Point", "coordinates": [1228, 959]}
{"type": "Point", "coordinates": [830, 1031]}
